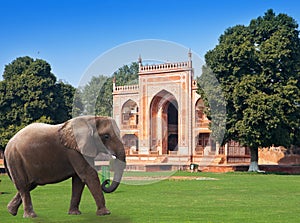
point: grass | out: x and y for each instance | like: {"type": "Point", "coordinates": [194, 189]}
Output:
{"type": "Point", "coordinates": [234, 197]}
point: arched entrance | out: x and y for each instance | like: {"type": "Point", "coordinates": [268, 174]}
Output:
{"type": "Point", "coordinates": [164, 123]}
{"type": "Point", "coordinates": [204, 143]}
{"type": "Point", "coordinates": [129, 113]}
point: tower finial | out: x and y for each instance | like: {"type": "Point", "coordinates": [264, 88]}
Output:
{"type": "Point", "coordinates": [114, 83]}
{"type": "Point", "coordinates": [190, 57]}
{"type": "Point", "coordinates": [190, 54]}
{"type": "Point", "coordinates": [140, 59]}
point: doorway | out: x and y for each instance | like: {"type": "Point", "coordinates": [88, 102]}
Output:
{"type": "Point", "coordinates": [164, 123]}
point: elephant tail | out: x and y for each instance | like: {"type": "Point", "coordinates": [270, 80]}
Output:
{"type": "Point", "coordinates": [6, 168]}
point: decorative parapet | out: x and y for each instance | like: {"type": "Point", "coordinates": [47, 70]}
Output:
{"type": "Point", "coordinates": [126, 89]}
{"type": "Point", "coordinates": [167, 67]}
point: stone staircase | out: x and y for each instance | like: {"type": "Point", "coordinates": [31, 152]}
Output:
{"type": "Point", "coordinates": [145, 159]}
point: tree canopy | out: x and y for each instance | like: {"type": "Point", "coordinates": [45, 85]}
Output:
{"type": "Point", "coordinates": [258, 68]}
{"type": "Point", "coordinates": [29, 92]}
{"type": "Point", "coordinates": [97, 94]}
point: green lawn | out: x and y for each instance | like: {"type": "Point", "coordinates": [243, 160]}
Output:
{"type": "Point", "coordinates": [233, 197]}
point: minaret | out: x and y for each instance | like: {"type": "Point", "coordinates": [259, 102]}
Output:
{"type": "Point", "coordinates": [114, 83]}
{"type": "Point", "coordinates": [190, 109]}
{"type": "Point", "coordinates": [190, 58]}
{"type": "Point", "coordinates": [140, 62]}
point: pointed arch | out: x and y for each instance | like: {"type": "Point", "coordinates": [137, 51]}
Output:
{"type": "Point", "coordinates": [164, 123]}
{"type": "Point", "coordinates": [202, 137]}
{"type": "Point", "coordinates": [200, 118]}
{"type": "Point", "coordinates": [129, 113]}
{"type": "Point", "coordinates": [130, 143]}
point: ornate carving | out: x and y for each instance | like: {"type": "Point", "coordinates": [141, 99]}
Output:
{"type": "Point", "coordinates": [164, 67]}
{"type": "Point", "coordinates": [171, 87]}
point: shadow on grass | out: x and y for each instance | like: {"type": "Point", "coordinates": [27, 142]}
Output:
{"type": "Point", "coordinates": [111, 218]}
{"type": "Point", "coordinates": [88, 217]}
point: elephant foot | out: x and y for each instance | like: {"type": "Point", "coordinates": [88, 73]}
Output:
{"type": "Point", "coordinates": [31, 214]}
{"type": "Point", "coordinates": [12, 208]}
{"type": "Point", "coordinates": [103, 211]}
{"type": "Point", "coordinates": [74, 212]}
{"type": "Point", "coordinates": [13, 211]}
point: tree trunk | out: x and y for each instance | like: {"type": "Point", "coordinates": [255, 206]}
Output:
{"type": "Point", "coordinates": [254, 160]}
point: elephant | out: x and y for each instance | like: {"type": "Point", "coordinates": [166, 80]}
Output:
{"type": "Point", "coordinates": [42, 154]}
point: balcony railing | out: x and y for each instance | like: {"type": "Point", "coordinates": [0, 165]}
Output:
{"type": "Point", "coordinates": [127, 126]}
{"type": "Point", "coordinates": [127, 88]}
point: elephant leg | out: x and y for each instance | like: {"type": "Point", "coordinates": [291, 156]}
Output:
{"type": "Point", "coordinates": [90, 177]}
{"type": "Point", "coordinates": [20, 179]}
{"type": "Point", "coordinates": [14, 204]}
{"type": "Point", "coordinates": [94, 186]}
{"type": "Point", "coordinates": [77, 188]}
{"type": "Point", "coordinates": [27, 204]}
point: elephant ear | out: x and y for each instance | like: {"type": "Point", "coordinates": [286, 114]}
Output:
{"type": "Point", "coordinates": [78, 134]}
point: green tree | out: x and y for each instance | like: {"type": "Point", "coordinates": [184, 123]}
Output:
{"type": "Point", "coordinates": [29, 93]}
{"type": "Point", "coordinates": [215, 104]}
{"type": "Point", "coordinates": [17, 67]}
{"type": "Point", "coordinates": [92, 92]}
{"type": "Point", "coordinates": [97, 94]}
{"type": "Point", "coordinates": [65, 101]}
{"type": "Point", "coordinates": [258, 69]}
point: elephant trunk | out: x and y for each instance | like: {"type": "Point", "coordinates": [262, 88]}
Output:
{"type": "Point", "coordinates": [119, 165]}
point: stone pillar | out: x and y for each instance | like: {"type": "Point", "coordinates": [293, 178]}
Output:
{"type": "Point", "coordinates": [226, 150]}
{"type": "Point", "coordinates": [185, 119]}
{"type": "Point", "coordinates": [144, 139]}
{"type": "Point", "coordinates": [217, 148]}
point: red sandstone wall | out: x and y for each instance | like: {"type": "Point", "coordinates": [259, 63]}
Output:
{"type": "Point", "coordinates": [277, 155]}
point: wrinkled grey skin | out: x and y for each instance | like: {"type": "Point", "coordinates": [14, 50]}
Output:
{"type": "Point", "coordinates": [43, 154]}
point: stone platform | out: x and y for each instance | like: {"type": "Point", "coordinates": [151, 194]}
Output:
{"type": "Point", "coordinates": [280, 169]}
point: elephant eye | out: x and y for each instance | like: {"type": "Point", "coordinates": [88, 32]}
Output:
{"type": "Point", "coordinates": [106, 136]}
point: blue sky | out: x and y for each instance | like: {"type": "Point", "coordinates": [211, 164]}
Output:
{"type": "Point", "coordinates": [70, 35]}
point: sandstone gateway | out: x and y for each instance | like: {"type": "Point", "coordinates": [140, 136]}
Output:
{"type": "Point", "coordinates": [162, 120]}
